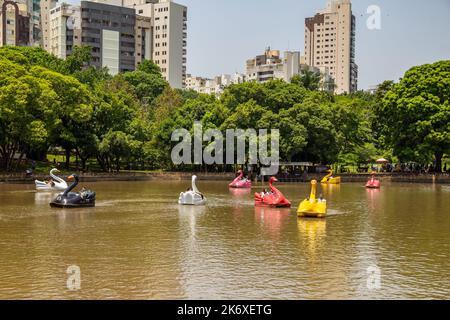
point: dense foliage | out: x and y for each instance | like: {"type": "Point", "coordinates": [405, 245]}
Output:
{"type": "Point", "coordinates": [47, 103]}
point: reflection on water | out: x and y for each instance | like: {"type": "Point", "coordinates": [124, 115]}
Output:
{"type": "Point", "coordinates": [312, 233]}
{"type": "Point", "coordinates": [43, 198]}
{"type": "Point", "coordinates": [373, 198]}
{"type": "Point", "coordinates": [240, 193]}
{"type": "Point", "coordinates": [328, 190]}
{"type": "Point", "coordinates": [272, 219]}
{"type": "Point", "coordinates": [139, 243]}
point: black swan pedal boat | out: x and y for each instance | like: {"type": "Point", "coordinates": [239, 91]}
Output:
{"type": "Point", "coordinates": [68, 199]}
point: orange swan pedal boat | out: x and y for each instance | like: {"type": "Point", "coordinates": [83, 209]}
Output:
{"type": "Point", "coordinates": [240, 182]}
{"type": "Point", "coordinates": [329, 179]}
{"type": "Point", "coordinates": [274, 198]}
{"type": "Point", "coordinates": [373, 183]}
{"type": "Point", "coordinates": [313, 207]}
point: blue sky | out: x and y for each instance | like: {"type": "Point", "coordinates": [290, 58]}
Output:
{"type": "Point", "coordinates": [222, 34]}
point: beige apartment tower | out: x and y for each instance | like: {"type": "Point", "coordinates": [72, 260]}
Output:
{"type": "Point", "coordinates": [46, 7]}
{"type": "Point", "coordinates": [330, 44]}
{"type": "Point", "coordinates": [168, 37]}
{"type": "Point", "coordinates": [64, 30]}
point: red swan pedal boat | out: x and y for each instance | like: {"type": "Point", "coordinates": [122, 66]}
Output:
{"type": "Point", "coordinates": [240, 182]}
{"type": "Point", "coordinates": [373, 183]}
{"type": "Point", "coordinates": [274, 198]}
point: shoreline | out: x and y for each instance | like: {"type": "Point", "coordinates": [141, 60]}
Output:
{"type": "Point", "coordinates": [20, 178]}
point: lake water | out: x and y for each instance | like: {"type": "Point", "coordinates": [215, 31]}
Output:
{"type": "Point", "coordinates": [138, 243]}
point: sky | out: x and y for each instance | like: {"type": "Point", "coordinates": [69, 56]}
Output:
{"type": "Point", "coordinates": [223, 34]}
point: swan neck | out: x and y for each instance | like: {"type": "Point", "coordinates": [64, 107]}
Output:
{"type": "Point", "coordinates": [71, 187]}
{"type": "Point", "coordinates": [194, 186]}
{"type": "Point", "coordinates": [313, 192]}
{"type": "Point", "coordinates": [54, 177]}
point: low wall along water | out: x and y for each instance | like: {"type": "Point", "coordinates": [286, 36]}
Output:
{"type": "Point", "coordinates": [140, 176]}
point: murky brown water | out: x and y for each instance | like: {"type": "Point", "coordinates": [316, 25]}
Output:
{"type": "Point", "coordinates": [138, 243]}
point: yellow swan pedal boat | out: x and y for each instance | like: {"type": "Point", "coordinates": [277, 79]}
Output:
{"type": "Point", "coordinates": [313, 207]}
{"type": "Point", "coordinates": [329, 179]}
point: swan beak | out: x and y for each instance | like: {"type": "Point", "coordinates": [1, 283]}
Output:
{"type": "Point", "coordinates": [70, 178]}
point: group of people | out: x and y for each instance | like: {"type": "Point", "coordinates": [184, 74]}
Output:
{"type": "Point", "coordinates": [266, 193]}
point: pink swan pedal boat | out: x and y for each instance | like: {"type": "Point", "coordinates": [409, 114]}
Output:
{"type": "Point", "coordinates": [373, 183]}
{"type": "Point", "coordinates": [240, 182]}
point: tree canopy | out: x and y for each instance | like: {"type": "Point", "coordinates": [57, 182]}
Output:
{"type": "Point", "coordinates": [46, 102]}
{"type": "Point", "coordinates": [416, 113]}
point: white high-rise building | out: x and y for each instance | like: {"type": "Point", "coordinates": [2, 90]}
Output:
{"type": "Point", "coordinates": [330, 44]}
{"type": "Point", "coordinates": [64, 32]}
{"type": "Point", "coordinates": [168, 36]}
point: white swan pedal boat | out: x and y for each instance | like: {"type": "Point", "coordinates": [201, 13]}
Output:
{"type": "Point", "coordinates": [56, 184]}
{"type": "Point", "coordinates": [192, 197]}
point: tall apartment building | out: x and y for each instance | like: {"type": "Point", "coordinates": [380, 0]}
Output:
{"type": "Point", "coordinates": [330, 44]}
{"type": "Point", "coordinates": [14, 23]}
{"type": "Point", "coordinates": [122, 33]}
{"type": "Point", "coordinates": [44, 20]}
{"type": "Point", "coordinates": [110, 31]}
{"type": "Point", "coordinates": [65, 31]}
{"type": "Point", "coordinates": [168, 36]}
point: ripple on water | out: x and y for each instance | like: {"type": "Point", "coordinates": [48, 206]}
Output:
{"type": "Point", "coordinates": [139, 243]}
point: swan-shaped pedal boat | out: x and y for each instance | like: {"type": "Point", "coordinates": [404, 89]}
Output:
{"type": "Point", "coordinates": [240, 182]}
{"type": "Point", "coordinates": [373, 183]}
{"type": "Point", "coordinates": [329, 179]}
{"type": "Point", "coordinates": [274, 198]}
{"type": "Point", "coordinates": [56, 184]}
{"type": "Point", "coordinates": [192, 197]}
{"type": "Point", "coordinates": [68, 199]}
{"type": "Point", "coordinates": [313, 207]}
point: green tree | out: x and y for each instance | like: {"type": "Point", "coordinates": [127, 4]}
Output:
{"type": "Point", "coordinates": [73, 107]}
{"type": "Point", "coordinates": [33, 56]}
{"type": "Point", "coordinates": [149, 67]}
{"type": "Point", "coordinates": [26, 112]}
{"type": "Point", "coordinates": [307, 79]}
{"type": "Point", "coordinates": [116, 145]}
{"type": "Point", "coordinates": [79, 58]}
{"type": "Point", "coordinates": [146, 82]}
{"type": "Point", "coordinates": [417, 114]}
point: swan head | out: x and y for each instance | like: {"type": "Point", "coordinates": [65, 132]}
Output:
{"type": "Point", "coordinates": [313, 182]}
{"type": "Point", "coordinates": [240, 171]}
{"type": "Point", "coordinates": [72, 177]}
{"type": "Point", "coordinates": [194, 178]}
{"type": "Point", "coordinates": [54, 170]}
{"type": "Point", "coordinates": [273, 179]}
